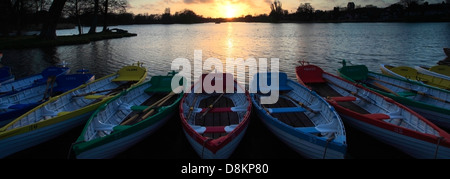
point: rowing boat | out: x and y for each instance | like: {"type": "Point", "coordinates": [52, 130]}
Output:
{"type": "Point", "coordinates": [301, 119]}
{"type": "Point", "coordinates": [440, 71]}
{"type": "Point", "coordinates": [68, 110]}
{"type": "Point", "coordinates": [410, 73]}
{"type": "Point", "coordinates": [127, 119]}
{"type": "Point", "coordinates": [32, 81]}
{"type": "Point", "coordinates": [6, 75]}
{"type": "Point", "coordinates": [378, 116]}
{"type": "Point", "coordinates": [430, 102]}
{"type": "Point", "coordinates": [15, 104]}
{"type": "Point", "coordinates": [215, 122]}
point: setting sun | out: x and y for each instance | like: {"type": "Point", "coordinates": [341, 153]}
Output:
{"type": "Point", "coordinates": [230, 11]}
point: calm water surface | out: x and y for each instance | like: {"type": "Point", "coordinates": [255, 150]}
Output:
{"type": "Point", "coordinates": [321, 44]}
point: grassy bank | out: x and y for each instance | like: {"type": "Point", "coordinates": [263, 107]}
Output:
{"type": "Point", "coordinates": [36, 42]}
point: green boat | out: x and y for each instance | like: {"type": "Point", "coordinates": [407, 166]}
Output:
{"type": "Point", "coordinates": [430, 102]}
{"type": "Point", "coordinates": [128, 118]}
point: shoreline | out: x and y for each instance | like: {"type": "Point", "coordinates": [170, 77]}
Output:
{"type": "Point", "coordinates": [34, 41]}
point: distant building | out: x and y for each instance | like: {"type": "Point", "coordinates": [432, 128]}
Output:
{"type": "Point", "coordinates": [351, 6]}
{"type": "Point", "coordinates": [336, 9]}
{"type": "Point", "coordinates": [167, 11]}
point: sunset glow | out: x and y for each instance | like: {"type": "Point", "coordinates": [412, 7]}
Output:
{"type": "Point", "coordinates": [230, 11]}
{"type": "Point", "coordinates": [238, 8]}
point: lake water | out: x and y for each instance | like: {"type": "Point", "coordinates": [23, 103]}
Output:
{"type": "Point", "coordinates": [323, 44]}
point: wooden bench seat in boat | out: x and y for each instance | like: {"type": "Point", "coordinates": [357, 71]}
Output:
{"type": "Point", "coordinates": [344, 98]}
{"type": "Point", "coordinates": [214, 129]}
{"type": "Point", "coordinates": [220, 110]}
{"type": "Point", "coordinates": [286, 110]}
{"type": "Point", "coordinates": [406, 93]}
{"type": "Point", "coordinates": [94, 96]}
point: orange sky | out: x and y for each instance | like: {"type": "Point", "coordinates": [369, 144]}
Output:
{"type": "Point", "coordinates": [237, 8]}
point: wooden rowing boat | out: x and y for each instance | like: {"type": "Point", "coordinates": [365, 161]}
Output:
{"type": "Point", "coordinates": [15, 104]}
{"type": "Point", "coordinates": [32, 81]}
{"type": "Point", "coordinates": [121, 122]}
{"type": "Point", "coordinates": [302, 119]}
{"type": "Point", "coordinates": [6, 75]}
{"type": "Point", "coordinates": [430, 102]}
{"type": "Point", "coordinates": [215, 122]}
{"type": "Point", "coordinates": [378, 116]}
{"type": "Point", "coordinates": [410, 73]}
{"type": "Point", "coordinates": [440, 71]}
{"type": "Point", "coordinates": [68, 110]}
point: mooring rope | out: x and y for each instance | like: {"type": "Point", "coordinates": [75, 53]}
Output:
{"type": "Point", "coordinates": [326, 146]}
{"type": "Point", "coordinates": [204, 142]}
{"type": "Point", "coordinates": [437, 146]}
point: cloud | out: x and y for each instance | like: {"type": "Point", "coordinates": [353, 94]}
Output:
{"type": "Point", "coordinates": [197, 1]}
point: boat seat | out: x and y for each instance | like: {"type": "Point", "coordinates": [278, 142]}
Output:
{"type": "Point", "coordinates": [5, 106]}
{"type": "Point", "coordinates": [312, 130]}
{"type": "Point", "coordinates": [130, 73]}
{"type": "Point", "coordinates": [139, 108]}
{"type": "Point", "coordinates": [93, 96]}
{"type": "Point", "coordinates": [214, 129]}
{"type": "Point", "coordinates": [219, 110]}
{"type": "Point", "coordinates": [22, 106]}
{"type": "Point", "coordinates": [63, 113]}
{"type": "Point", "coordinates": [378, 116]}
{"type": "Point", "coordinates": [406, 93]}
{"type": "Point", "coordinates": [344, 98]}
{"type": "Point", "coordinates": [286, 110]}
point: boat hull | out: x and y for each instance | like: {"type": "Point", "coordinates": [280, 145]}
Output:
{"type": "Point", "coordinates": [223, 153]}
{"type": "Point", "coordinates": [306, 146]}
{"type": "Point", "coordinates": [23, 141]}
{"type": "Point", "coordinates": [411, 146]}
{"type": "Point", "coordinates": [439, 118]}
{"type": "Point", "coordinates": [111, 149]}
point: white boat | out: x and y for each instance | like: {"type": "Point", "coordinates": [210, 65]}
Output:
{"type": "Point", "coordinates": [438, 71]}
{"type": "Point", "coordinates": [378, 116]}
{"type": "Point", "coordinates": [303, 120]}
{"type": "Point", "coordinates": [127, 119]}
{"type": "Point", "coordinates": [66, 111]}
{"type": "Point", "coordinates": [215, 123]}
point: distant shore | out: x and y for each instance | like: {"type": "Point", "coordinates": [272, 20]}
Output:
{"type": "Point", "coordinates": [34, 41]}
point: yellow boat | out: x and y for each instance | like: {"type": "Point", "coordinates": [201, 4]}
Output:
{"type": "Point", "coordinates": [406, 72]}
{"type": "Point", "coordinates": [68, 110]}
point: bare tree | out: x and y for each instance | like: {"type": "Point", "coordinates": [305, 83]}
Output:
{"type": "Point", "coordinates": [112, 6]}
{"type": "Point", "coordinates": [93, 28]}
{"type": "Point", "coordinates": [48, 30]}
{"type": "Point", "coordinates": [277, 11]}
{"type": "Point", "coordinates": [75, 8]}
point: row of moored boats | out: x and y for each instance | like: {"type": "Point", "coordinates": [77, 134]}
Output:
{"type": "Point", "coordinates": [308, 114]}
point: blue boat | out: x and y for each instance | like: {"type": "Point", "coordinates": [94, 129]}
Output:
{"type": "Point", "coordinates": [300, 118]}
{"type": "Point", "coordinates": [6, 75]}
{"type": "Point", "coordinates": [14, 104]}
{"type": "Point", "coordinates": [32, 81]}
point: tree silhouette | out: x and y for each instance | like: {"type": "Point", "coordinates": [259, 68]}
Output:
{"type": "Point", "coordinates": [305, 11]}
{"type": "Point", "coordinates": [277, 11]}
{"type": "Point", "coordinates": [48, 30]}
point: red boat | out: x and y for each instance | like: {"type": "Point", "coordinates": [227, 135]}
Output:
{"type": "Point", "coordinates": [214, 123]}
{"type": "Point", "coordinates": [376, 115]}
